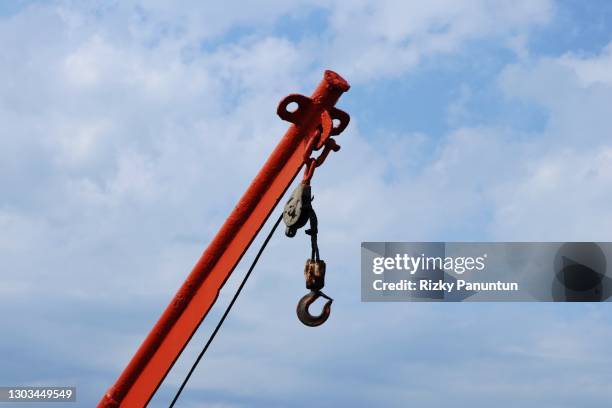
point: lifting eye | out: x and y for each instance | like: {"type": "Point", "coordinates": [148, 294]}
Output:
{"type": "Point", "coordinates": [293, 107]}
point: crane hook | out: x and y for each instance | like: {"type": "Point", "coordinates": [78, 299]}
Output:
{"type": "Point", "coordinates": [305, 302]}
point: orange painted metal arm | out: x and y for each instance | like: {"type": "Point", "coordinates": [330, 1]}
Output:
{"type": "Point", "coordinates": [161, 348]}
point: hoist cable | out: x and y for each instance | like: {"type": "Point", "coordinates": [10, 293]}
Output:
{"type": "Point", "coordinates": [227, 310]}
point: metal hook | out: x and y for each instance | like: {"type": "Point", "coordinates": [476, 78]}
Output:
{"type": "Point", "coordinates": [305, 302]}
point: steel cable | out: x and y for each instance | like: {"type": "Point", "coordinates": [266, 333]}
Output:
{"type": "Point", "coordinates": [227, 310]}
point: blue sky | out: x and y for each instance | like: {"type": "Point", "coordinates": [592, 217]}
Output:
{"type": "Point", "coordinates": [130, 129]}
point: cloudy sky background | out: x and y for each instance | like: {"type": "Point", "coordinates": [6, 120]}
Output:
{"type": "Point", "coordinates": [129, 129]}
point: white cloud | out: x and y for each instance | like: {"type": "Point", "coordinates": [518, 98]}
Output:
{"type": "Point", "coordinates": [563, 185]}
{"type": "Point", "coordinates": [386, 38]}
{"type": "Point", "coordinates": [128, 134]}
{"type": "Point", "coordinates": [127, 121]}
{"type": "Point", "coordinates": [594, 70]}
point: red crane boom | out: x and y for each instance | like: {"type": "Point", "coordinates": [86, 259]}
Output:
{"type": "Point", "coordinates": [315, 119]}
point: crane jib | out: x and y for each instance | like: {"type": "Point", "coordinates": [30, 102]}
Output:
{"type": "Point", "coordinates": [315, 116]}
